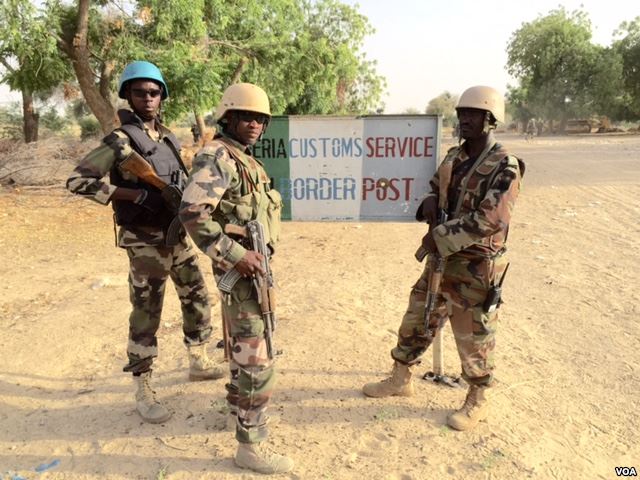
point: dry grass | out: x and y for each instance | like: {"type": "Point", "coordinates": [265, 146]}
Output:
{"type": "Point", "coordinates": [40, 163]}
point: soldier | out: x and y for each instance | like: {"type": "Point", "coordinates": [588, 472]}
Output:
{"type": "Point", "coordinates": [229, 186]}
{"type": "Point", "coordinates": [485, 181]}
{"type": "Point", "coordinates": [144, 217]}
{"type": "Point", "coordinates": [531, 129]}
{"type": "Point", "coordinates": [195, 132]}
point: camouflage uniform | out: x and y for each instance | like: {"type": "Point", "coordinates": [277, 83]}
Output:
{"type": "Point", "coordinates": [150, 260]}
{"type": "Point", "coordinates": [472, 241]}
{"type": "Point", "coordinates": [228, 185]}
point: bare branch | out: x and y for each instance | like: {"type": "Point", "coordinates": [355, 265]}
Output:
{"type": "Point", "coordinates": [238, 71]}
{"type": "Point", "coordinates": [245, 51]}
{"type": "Point", "coordinates": [6, 65]}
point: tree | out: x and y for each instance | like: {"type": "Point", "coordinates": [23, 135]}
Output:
{"type": "Point", "coordinates": [516, 105]}
{"type": "Point", "coordinates": [628, 47]}
{"type": "Point", "coordinates": [334, 77]}
{"type": "Point", "coordinates": [94, 41]}
{"type": "Point", "coordinates": [562, 73]}
{"type": "Point", "coordinates": [445, 105]}
{"type": "Point", "coordinates": [305, 54]}
{"type": "Point", "coordinates": [29, 57]}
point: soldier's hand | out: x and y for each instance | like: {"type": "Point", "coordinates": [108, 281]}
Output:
{"type": "Point", "coordinates": [429, 244]}
{"type": "Point", "coordinates": [152, 201]}
{"type": "Point", "coordinates": [428, 210]}
{"type": "Point", "coordinates": [250, 264]}
{"type": "Point", "coordinates": [172, 197]}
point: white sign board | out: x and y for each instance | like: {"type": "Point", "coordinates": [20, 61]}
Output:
{"type": "Point", "coordinates": [351, 168]}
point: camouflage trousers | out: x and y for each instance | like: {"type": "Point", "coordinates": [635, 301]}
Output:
{"type": "Point", "coordinates": [252, 374]}
{"type": "Point", "coordinates": [149, 267]}
{"type": "Point", "coordinates": [464, 288]}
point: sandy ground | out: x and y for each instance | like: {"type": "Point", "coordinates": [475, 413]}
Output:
{"type": "Point", "coordinates": [568, 355]}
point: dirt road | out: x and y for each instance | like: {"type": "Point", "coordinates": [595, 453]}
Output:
{"type": "Point", "coordinates": [568, 354]}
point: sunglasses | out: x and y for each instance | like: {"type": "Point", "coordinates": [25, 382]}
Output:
{"type": "Point", "coordinates": [142, 93]}
{"type": "Point", "coordinates": [249, 117]}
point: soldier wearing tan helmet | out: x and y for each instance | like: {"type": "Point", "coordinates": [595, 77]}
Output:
{"type": "Point", "coordinates": [229, 186]}
{"type": "Point", "coordinates": [480, 196]}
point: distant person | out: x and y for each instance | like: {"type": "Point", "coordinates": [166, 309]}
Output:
{"type": "Point", "coordinates": [144, 218]}
{"type": "Point", "coordinates": [480, 196]}
{"type": "Point", "coordinates": [531, 129]}
{"type": "Point", "coordinates": [195, 132]}
{"type": "Point", "coordinates": [229, 186]}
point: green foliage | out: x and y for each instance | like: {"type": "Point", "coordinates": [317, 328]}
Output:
{"type": "Point", "coordinates": [27, 50]}
{"type": "Point", "coordinates": [29, 56]}
{"type": "Point", "coordinates": [445, 105]}
{"type": "Point", "coordinates": [516, 105]}
{"type": "Point", "coordinates": [89, 127]}
{"type": "Point", "coordinates": [562, 73]}
{"type": "Point", "coordinates": [51, 120]}
{"type": "Point", "coordinates": [627, 46]}
{"type": "Point", "coordinates": [305, 54]}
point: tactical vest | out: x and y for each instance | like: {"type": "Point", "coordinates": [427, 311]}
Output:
{"type": "Point", "coordinates": [481, 176]}
{"type": "Point", "coordinates": [257, 200]}
{"type": "Point", "coordinates": [467, 194]}
{"type": "Point", "coordinates": [163, 157]}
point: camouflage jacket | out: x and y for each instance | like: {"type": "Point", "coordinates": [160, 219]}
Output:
{"type": "Point", "coordinates": [87, 180]}
{"type": "Point", "coordinates": [480, 202]}
{"type": "Point", "coordinates": [227, 185]}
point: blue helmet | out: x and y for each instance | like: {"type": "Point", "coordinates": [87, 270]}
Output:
{"type": "Point", "coordinates": [141, 70]}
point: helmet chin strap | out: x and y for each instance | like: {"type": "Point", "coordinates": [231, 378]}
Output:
{"type": "Point", "coordinates": [487, 126]}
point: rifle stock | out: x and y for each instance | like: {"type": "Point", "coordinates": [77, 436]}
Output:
{"type": "Point", "coordinates": [171, 194]}
{"type": "Point", "coordinates": [138, 166]}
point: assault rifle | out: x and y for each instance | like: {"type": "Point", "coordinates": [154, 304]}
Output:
{"type": "Point", "coordinates": [253, 234]}
{"type": "Point", "coordinates": [435, 262]}
{"type": "Point", "coordinates": [171, 193]}
{"type": "Point", "coordinates": [435, 266]}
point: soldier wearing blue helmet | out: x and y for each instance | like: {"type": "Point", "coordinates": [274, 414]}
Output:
{"type": "Point", "coordinates": [141, 70]}
{"type": "Point", "coordinates": [144, 217]}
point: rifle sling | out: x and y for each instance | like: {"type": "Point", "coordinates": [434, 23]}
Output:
{"type": "Point", "coordinates": [466, 178]}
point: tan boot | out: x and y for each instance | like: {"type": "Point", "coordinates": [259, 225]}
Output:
{"type": "Point", "coordinates": [399, 383]}
{"type": "Point", "coordinates": [257, 457]}
{"type": "Point", "coordinates": [201, 367]}
{"type": "Point", "coordinates": [147, 406]}
{"type": "Point", "coordinates": [474, 410]}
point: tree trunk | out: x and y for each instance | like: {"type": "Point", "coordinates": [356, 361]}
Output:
{"type": "Point", "coordinates": [97, 97]}
{"type": "Point", "coordinates": [29, 117]}
{"type": "Point", "coordinates": [202, 128]}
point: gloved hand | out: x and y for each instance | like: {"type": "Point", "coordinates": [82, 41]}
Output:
{"type": "Point", "coordinates": [428, 210]}
{"type": "Point", "coordinates": [152, 201]}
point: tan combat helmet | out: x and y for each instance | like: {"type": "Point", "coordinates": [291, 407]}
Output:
{"type": "Point", "coordinates": [483, 98]}
{"type": "Point", "coordinates": [243, 96]}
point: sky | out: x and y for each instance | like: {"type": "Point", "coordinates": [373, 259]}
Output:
{"type": "Point", "coordinates": [426, 47]}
